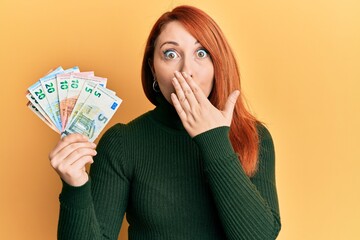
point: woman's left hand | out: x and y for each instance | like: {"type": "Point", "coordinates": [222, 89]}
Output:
{"type": "Point", "coordinates": [195, 110]}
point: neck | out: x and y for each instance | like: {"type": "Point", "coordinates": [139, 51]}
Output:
{"type": "Point", "coordinates": [166, 114]}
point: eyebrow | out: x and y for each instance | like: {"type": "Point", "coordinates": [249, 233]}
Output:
{"type": "Point", "coordinates": [169, 42]}
{"type": "Point", "coordinates": [175, 43]}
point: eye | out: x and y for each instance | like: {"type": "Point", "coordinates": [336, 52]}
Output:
{"type": "Point", "coordinates": [170, 54]}
{"type": "Point", "coordinates": [202, 53]}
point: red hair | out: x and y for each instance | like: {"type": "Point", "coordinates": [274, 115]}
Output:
{"type": "Point", "coordinates": [243, 130]}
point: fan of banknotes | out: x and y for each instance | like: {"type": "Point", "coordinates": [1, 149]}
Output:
{"type": "Point", "coordinates": [70, 101]}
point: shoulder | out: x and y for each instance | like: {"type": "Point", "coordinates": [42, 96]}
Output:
{"type": "Point", "coordinates": [266, 143]}
{"type": "Point", "coordinates": [116, 146]}
{"type": "Point", "coordinates": [266, 155]}
{"type": "Point", "coordinates": [263, 133]}
{"type": "Point", "coordinates": [119, 130]}
{"type": "Point", "coordinates": [120, 135]}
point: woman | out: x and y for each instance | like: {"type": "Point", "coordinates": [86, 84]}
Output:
{"type": "Point", "coordinates": [198, 166]}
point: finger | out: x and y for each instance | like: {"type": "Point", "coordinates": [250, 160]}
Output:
{"type": "Point", "coordinates": [77, 154]}
{"type": "Point", "coordinates": [188, 93]}
{"type": "Point", "coordinates": [64, 165]}
{"type": "Point", "coordinates": [230, 104]}
{"type": "Point", "coordinates": [72, 173]}
{"type": "Point", "coordinates": [180, 111]}
{"type": "Point", "coordinates": [71, 152]}
{"type": "Point", "coordinates": [196, 91]}
{"type": "Point", "coordinates": [67, 140]}
{"type": "Point", "coordinates": [81, 162]}
{"type": "Point", "coordinates": [180, 94]}
{"type": "Point", "coordinates": [65, 152]}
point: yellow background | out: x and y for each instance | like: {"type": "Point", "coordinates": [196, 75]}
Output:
{"type": "Point", "coordinates": [300, 68]}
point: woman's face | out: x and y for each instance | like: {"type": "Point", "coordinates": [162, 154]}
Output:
{"type": "Point", "coordinates": [177, 50]}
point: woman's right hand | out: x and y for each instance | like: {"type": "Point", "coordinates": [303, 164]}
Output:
{"type": "Point", "coordinates": [70, 156]}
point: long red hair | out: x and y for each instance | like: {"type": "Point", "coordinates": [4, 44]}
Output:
{"type": "Point", "coordinates": [243, 130]}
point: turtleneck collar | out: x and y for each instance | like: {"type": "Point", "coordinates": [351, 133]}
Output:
{"type": "Point", "coordinates": [166, 114]}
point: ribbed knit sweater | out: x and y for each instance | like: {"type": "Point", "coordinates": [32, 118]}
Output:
{"type": "Point", "coordinates": [172, 186]}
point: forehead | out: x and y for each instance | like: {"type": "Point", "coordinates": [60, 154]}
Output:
{"type": "Point", "coordinates": [176, 32]}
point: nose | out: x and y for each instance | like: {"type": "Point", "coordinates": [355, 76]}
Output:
{"type": "Point", "coordinates": [186, 66]}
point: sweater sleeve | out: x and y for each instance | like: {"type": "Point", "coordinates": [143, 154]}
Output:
{"type": "Point", "coordinates": [248, 207]}
{"type": "Point", "coordinates": [96, 209]}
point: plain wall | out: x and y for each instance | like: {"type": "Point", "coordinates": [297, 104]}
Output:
{"type": "Point", "coordinates": [299, 62]}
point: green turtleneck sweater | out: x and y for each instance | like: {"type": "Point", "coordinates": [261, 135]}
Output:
{"type": "Point", "coordinates": [172, 186]}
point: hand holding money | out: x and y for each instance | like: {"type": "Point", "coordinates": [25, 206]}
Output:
{"type": "Point", "coordinates": [78, 106]}
{"type": "Point", "coordinates": [70, 156]}
{"type": "Point", "coordinates": [70, 101]}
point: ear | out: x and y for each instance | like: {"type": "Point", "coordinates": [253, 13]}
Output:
{"type": "Point", "coordinates": [151, 65]}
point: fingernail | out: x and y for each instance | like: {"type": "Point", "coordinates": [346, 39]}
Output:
{"type": "Point", "coordinates": [184, 74]}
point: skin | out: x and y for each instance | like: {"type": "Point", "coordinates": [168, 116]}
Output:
{"type": "Point", "coordinates": [177, 50]}
{"type": "Point", "coordinates": [185, 74]}
{"type": "Point", "coordinates": [70, 156]}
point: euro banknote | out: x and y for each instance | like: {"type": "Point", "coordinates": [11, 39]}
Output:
{"type": "Point", "coordinates": [76, 84]}
{"type": "Point", "coordinates": [94, 113]}
{"type": "Point", "coordinates": [48, 84]}
{"type": "Point", "coordinates": [66, 82]}
{"type": "Point", "coordinates": [71, 101]}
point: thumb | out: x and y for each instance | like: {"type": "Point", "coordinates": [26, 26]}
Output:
{"type": "Point", "coordinates": [230, 104]}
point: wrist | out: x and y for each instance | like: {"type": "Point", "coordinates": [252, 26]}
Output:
{"type": "Point", "coordinates": [77, 197]}
{"type": "Point", "coordinates": [77, 182]}
{"type": "Point", "coordinates": [215, 143]}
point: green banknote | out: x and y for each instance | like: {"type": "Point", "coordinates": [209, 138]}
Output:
{"type": "Point", "coordinates": [70, 101]}
{"type": "Point", "coordinates": [94, 113]}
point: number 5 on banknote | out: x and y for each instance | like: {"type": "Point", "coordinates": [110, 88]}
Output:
{"type": "Point", "coordinates": [94, 114]}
